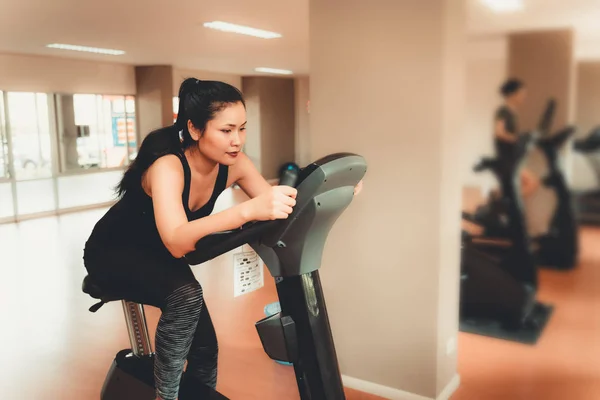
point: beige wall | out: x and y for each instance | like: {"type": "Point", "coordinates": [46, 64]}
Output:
{"type": "Point", "coordinates": [452, 121]}
{"type": "Point", "coordinates": [154, 101]}
{"type": "Point", "coordinates": [486, 70]}
{"type": "Point", "coordinates": [545, 61]}
{"type": "Point", "coordinates": [588, 97]}
{"type": "Point", "coordinates": [271, 115]}
{"type": "Point", "coordinates": [484, 77]}
{"type": "Point", "coordinates": [391, 265]}
{"type": "Point", "coordinates": [277, 124]}
{"type": "Point", "coordinates": [64, 75]}
{"type": "Point", "coordinates": [588, 117]}
{"type": "Point", "coordinates": [302, 145]}
{"type": "Point", "coordinates": [252, 148]}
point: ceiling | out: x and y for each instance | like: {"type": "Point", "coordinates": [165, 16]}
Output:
{"type": "Point", "coordinates": [162, 31]}
{"type": "Point", "coordinates": [581, 15]}
{"type": "Point", "coordinates": [171, 32]}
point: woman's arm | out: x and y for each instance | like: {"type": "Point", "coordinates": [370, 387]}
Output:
{"type": "Point", "coordinates": [164, 181]}
{"type": "Point", "coordinates": [501, 133]}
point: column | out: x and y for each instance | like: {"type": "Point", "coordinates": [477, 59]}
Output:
{"type": "Point", "coordinates": [588, 97]}
{"type": "Point", "coordinates": [271, 119]}
{"type": "Point", "coordinates": [302, 147]}
{"type": "Point", "coordinates": [154, 98]}
{"type": "Point", "coordinates": [68, 136]}
{"type": "Point", "coordinates": [585, 168]}
{"type": "Point", "coordinates": [544, 61]}
{"type": "Point", "coordinates": [387, 82]}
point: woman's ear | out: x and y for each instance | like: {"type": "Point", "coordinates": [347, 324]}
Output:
{"type": "Point", "coordinates": [194, 132]}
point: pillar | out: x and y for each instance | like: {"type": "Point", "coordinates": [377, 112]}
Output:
{"type": "Point", "coordinates": [68, 136]}
{"type": "Point", "coordinates": [544, 60]}
{"type": "Point", "coordinates": [271, 130]}
{"type": "Point", "coordinates": [154, 98]}
{"type": "Point", "coordinates": [588, 97]}
{"type": "Point", "coordinates": [584, 170]}
{"type": "Point", "coordinates": [302, 146]}
{"type": "Point", "coordinates": [387, 82]}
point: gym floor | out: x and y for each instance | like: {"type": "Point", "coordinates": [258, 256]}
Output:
{"type": "Point", "coordinates": [53, 348]}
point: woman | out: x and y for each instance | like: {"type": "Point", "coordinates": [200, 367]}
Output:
{"type": "Point", "coordinates": [167, 196]}
{"type": "Point", "coordinates": [506, 130]}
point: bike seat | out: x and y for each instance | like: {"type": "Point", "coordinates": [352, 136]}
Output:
{"type": "Point", "coordinates": [95, 290]}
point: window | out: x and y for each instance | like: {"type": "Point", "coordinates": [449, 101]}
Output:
{"type": "Point", "coordinates": [96, 131]}
{"type": "Point", "coordinates": [29, 129]}
{"type": "Point", "coordinates": [175, 108]}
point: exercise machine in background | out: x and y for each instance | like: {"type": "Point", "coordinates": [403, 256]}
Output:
{"type": "Point", "coordinates": [292, 250]}
{"type": "Point", "coordinates": [558, 248]}
{"type": "Point", "coordinates": [499, 276]}
{"type": "Point", "coordinates": [587, 203]}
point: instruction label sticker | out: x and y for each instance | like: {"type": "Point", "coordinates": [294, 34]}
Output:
{"type": "Point", "coordinates": [248, 273]}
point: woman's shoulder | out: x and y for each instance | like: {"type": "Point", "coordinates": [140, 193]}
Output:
{"type": "Point", "coordinates": [169, 160]}
{"type": "Point", "coordinates": [167, 169]}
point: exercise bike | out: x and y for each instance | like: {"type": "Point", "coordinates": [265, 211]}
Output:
{"type": "Point", "coordinates": [587, 203]}
{"type": "Point", "coordinates": [499, 278]}
{"type": "Point", "coordinates": [292, 251]}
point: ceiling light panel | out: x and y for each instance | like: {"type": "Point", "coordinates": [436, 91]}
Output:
{"type": "Point", "coordinates": [86, 49]}
{"type": "Point", "coordinates": [273, 71]}
{"type": "Point", "coordinates": [242, 30]}
{"type": "Point", "coordinates": [504, 6]}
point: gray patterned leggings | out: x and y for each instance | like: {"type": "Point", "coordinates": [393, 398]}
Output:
{"type": "Point", "coordinates": [185, 332]}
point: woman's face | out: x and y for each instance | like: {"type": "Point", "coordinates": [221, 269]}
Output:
{"type": "Point", "coordinates": [224, 136]}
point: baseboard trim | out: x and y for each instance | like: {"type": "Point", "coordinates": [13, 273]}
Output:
{"type": "Point", "coordinates": [397, 394]}
{"type": "Point", "coordinates": [450, 388]}
{"type": "Point", "coordinates": [380, 390]}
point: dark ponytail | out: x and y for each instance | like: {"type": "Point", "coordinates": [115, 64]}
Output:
{"type": "Point", "coordinates": [199, 101]}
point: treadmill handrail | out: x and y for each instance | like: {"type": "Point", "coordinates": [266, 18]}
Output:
{"type": "Point", "coordinates": [558, 139]}
{"type": "Point", "coordinates": [590, 143]}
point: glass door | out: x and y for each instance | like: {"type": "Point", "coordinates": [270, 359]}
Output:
{"type": "Point", "coordinates": [30, 145]}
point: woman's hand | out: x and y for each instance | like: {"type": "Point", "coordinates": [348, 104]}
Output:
{"type": "Point", "coordinates": [276, 203]}
{"type": "Point", "coordinates": [358, 187]}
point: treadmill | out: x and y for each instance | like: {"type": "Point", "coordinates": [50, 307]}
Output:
{"type": "Point", "coordinates": [587, 203]}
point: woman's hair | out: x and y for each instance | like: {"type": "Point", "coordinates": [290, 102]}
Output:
{"type": "Point", "coordinates": [199, 101]}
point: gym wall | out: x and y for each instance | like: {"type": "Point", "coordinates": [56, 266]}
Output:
{"type": "Point", "coordinates": [588, 96]}
{"type": "Point", "coordinates": [271, 135]}
{"type": "Point", "coordinates": [587, 117]}
{"type": "Point", "coordinates": [486, 70]}
{"type": "Point", "coordinates": [391, 265]}
{"type": "Point", "coordinates": [63, 75]}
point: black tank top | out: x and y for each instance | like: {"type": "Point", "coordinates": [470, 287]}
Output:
{"type": "Point", "coordinates": [130, 222]}
{"type": "Point", "coordinates": [504, 149]}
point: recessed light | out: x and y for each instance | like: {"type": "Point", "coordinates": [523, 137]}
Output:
{"type": "Point", "coordinates": [504, 6]}
{"type": "Point", "coordinates": [273, 71]}
{"type": "Point", "coordinates": [85, 49]}
{"type": "Point", "coordinates": [242, 30]}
